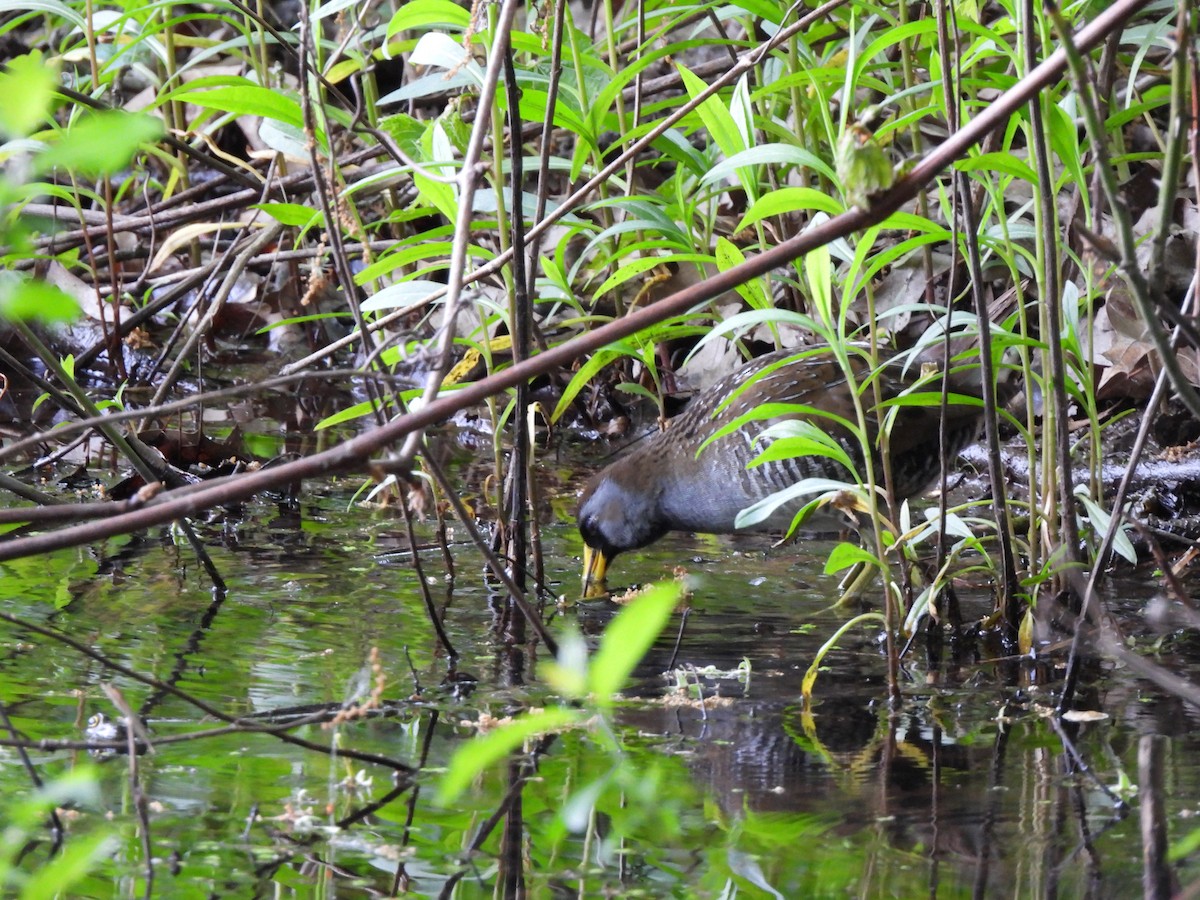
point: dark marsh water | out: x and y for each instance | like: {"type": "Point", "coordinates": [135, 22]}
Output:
{"type": "Point", "coordinates": [966, 791]}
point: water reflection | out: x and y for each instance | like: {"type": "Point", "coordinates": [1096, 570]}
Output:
{"type": "Point", "coordinates": [966, 790]}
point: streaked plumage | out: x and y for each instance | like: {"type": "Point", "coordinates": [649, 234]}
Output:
{"type": "Point", "coordinates": [663, 485]}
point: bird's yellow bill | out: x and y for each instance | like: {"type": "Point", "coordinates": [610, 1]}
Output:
{"type": "Point", "coordinates": [594, 568]}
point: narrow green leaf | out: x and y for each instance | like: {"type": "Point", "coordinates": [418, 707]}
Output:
{"type": "Point", "coordinates": [349, 414]}
{"type": "Point", "coordinates": [246, 100]}
{"type": "Point", "coordinates": [52, 7]}
{"type": "Point", "coordinates": [1004, 163]}
{"type": "Point", "coordinates": [729, 255]}
{"type": "Point", "coordinates": [1101, 520]}
{"type": "Point", "coordinates": [714, 115]}
{"type": "Point", "coordinates": [930, 399]}
{"type": "Point", "coordinates": [423, 13]}
{"type": "Point", "coordinates": [779, 411]}
{"type": "Point", "coordinates": [1185, 846]}
{"type": "Point", "coordinates": [818, 271]}
{"type": "Point", "coordinates": [427, 86]}
{"type": "Point", "coordinates": [789, 200]}
{"type": "Point", "coordinates": [331, 8]}
{"type": "Point", "coordinates": [638, 390]}
{"type": "Point", "coordinates": [759, 512]}
{"type": "Point", "coordinates": [1064, 141]}
{"type": "Point", "coordinates": [846, 555]}
{"type": "Point", "coordinates": [628, 637]}
{"type": "Point", "coordinates": [742, 113]}
{"type": "Point", "coordinates": [475, 756]}
{"type": "Point", "coordinates": [770, 154]}
{"type": "Point", "coordinates": [533, 109]}
{"type": "Point", "coordinates": [762, 9]}
{"type": "Point", "coordinates": [437, 194]}
{"type": "Point", "coordinates": [796, 438]}
{"type": "Point", "coordinates": [293, 214]}
{"type": "Point", "coordinates": [300, 320]}
{"type": "Point", "coordinates": [636, 267]}
{"type": "Point", "coordinates": [438, 49]}
{"type": "Point", "coordinates": [581, 378]}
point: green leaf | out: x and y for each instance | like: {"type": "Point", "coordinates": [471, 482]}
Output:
{"type": "Point", "coordinates": [52, 7]}
{"type": "Point", "coordinates": [439, 153]}
{"type": "Point", "coordinates": [581, 378]}
{"type": "Point", "coordinates": [403, 256]}
{"type": "Point", "coordinates": [475, 756]}
{"type": "Point", "coordinates": [799, 438]}
{"type": "Point", "coordinates": [422, 13]}
{"type": "Point", "coordinates": [716, 118]}
{"type": "Point", "coordinates": [636, 267]}
{"type": "Point", "coordinates": [729, 255]}
{"type": "Point", "coordinates": [788, 200]}
{"type": "Point", "coordinates": [293, 214]}
{"type": "Point", "coordinates": [1064, 141]}
{"type": "Point", "coordinates": [300, 320]}
{"type": "Point", "coordinates": [742, 112]}
{"type": "Point", "coordinates": [27, 300]}
{"type": "Point", "coordinates": [1184, 847]}
{"type": "Point", "coordinates": [333, 7]}
{"type": "Point", "coordinates": [846, 555]}
{"type": "Point", "coordinates": [818, 271]}
{"type": "Point", "coordinates": [349, 414]}
{"type": "Point", "coordinates": [638, 390]}
{"type": "Point", "coordinates": [437, 194]}
{"type": "Point", "coordinates": [27, 86]}
{"type": "Point", "coordinates": [533, 109]}
{"type": "Point", "coordinates": [438, 49]}
{"type": "Point", "coordinates": [930, 400]}
{"type": "Point", "coordinates": [405, 130]}
{"type": "Point", "coordinates": [739, 323]}
{"type": "Point", "coordinates": [628, 637]}
{"type": "Point", "coordinates": [1004, 163]}
{"type": "Point", "coordinates": [810, 677]}
{"type": "Point", "coordinates": [762, 9]}
{"type": "Point", "coordinates": [1101, 521]}
{"type": "Point", "coordinates": [776, 411]}
{"type": "Point", "coordinates": [100, 143]}
{"type": "Point", "coordinates": [770, 154]}
{"type": "Point", "coordinates": [246, 99]}
{"type": "Point", "coordinates": [762, 510]}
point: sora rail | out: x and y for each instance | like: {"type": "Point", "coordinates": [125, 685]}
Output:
{"type": "Point", "coordinates": [669, 484]}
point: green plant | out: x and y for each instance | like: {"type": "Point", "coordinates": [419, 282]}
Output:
{"type": "Point", "coordinates": [589, 688]}
{"type": "Point", "coordinates": [25, 819]}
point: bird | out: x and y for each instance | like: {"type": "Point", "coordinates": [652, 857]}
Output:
{"type": "Point", "coordinates": [674, 481]}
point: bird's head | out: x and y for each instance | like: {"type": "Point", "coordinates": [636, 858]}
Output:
{"type": "Point", "coordinates": [614, 516]}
